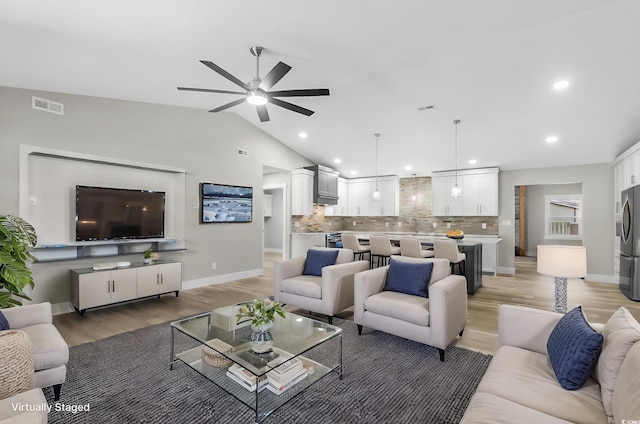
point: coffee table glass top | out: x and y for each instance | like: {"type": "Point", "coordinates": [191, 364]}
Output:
{"type": "Point", "coordinates": [293, 334]}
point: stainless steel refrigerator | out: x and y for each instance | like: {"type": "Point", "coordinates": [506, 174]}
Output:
{"type": "Point", "coordinates": [630, 244]}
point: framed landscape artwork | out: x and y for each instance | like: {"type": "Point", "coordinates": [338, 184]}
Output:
{"type": "Point", "coordinates": [225, 203]}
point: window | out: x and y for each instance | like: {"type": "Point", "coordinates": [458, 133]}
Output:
{"type": "Point", "coordinates": [563, 216]}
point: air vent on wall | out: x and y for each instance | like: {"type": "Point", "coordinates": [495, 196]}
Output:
{"type": "Point", "coordinates": [47, 105]}
{"type": "Point", "coordinates": [243, 152]}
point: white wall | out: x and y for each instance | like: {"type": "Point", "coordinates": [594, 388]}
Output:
{"type": "Point", "coordinates": [274, 225]}
{"type": "Point", "coordinates": [597, 196]}
{"type": "Point", "coordinates": [202, 143]}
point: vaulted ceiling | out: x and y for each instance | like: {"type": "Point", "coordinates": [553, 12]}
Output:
{"type": "Point", "coordinates": [489, 63]}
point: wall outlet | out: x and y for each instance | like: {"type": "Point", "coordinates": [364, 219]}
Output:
{"type": "Point", "coordinates": [296, 224]}
{"type": "Point", "coordinates": [400, 224]}
{"type": "Point", "coordinates": [448, 225]}
{"type": "Point", "coordinates": [484, 225]}
{"type": "Point", "coordinates": [386, 224]}
{"type": "Point", "coordinates": [505, 222]}
{"type": "Point", "coordinates": [354, 223]}
{"type": "Point", "coordinates": [329, 223]}
{"type": "Point", "coordinates": [213, 266]}
{"type": "Point", "coordinates": [33, 200]}
{"type": "Point", "coordinates": [434, 225]}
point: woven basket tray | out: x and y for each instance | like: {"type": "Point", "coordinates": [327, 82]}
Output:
{"type": "Point", "coordinates": [212, 357]}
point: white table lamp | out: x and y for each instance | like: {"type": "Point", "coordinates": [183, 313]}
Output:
{"type": "Point", "coordinates": [562, 262]}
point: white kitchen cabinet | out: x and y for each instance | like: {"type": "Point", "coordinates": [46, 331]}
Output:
{"type": "Point", "coordinates": [480, 194]}
{"type": "Point", "coordinates": [442, 202]}
{"type": "Point", "coordinates": [360, 193]}
{"type": "Point", "coordinates": [98, 288]}
{"type": "Point", "coordinates": [267, 205]}
{"type": "Point", "coordinates": [389, 203]}
{"type": "Point", "coordinates": [301, 192]}
{"type": "Point", "coordinates": [90, 289]}
{"type": "Point", "coordinates": [301, 242]}
{"type": "Point", "coordinates": [158, 279]}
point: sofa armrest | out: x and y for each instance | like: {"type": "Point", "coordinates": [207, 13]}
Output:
{"type": "Point", "coordinates": [447, 309]}
{"type": "Point", "coordinates": [337, 284]}
{"type": "Point", "coordinates": [27, 315]}
{"type": "Point", "coordinates": [366, 283]}
{"type": "Point", "coordinates": [526, 328]}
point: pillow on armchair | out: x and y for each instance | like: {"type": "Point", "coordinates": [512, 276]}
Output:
{"type": "Point", "coordinates": [318, 259]}
{"type": "Point", "coordinates": [409, 277]}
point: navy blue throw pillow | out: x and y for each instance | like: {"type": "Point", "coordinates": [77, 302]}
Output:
{"type": "Point", "coordinates": [318, 259]}
{"type": "Point", "coordinates": [409, 277]}
{"type": "Point", "coordinates": [573, 348]}
{"type": "Point", "coordinates": [4, 324]}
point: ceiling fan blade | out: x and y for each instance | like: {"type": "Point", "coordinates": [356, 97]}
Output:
{"type": "Point", "coordinates": [225, 74]}
{"type": "Point", "coordinates": [291, 106]}
{"type": "Point", "coordinates": [263, 114]}
{"type": "Point", "coordinates": [301, 93]}
{"type": "Point", "coordinates": [208, 90]}
{"type": "Point", "coordinates": [275, 74]}
{"type": "Point", "coordinates": [228, 105]}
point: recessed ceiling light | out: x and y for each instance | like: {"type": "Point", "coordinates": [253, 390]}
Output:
{"type": "Point", "coordinates": [561, 85]}
{"type": "Point", "coordinates": [408, 168]}
{"type": "Point", "coordinates": [337, 160]}
{"type": "Point", "coordinates": [353, 172]}
{"type": "Point", "coordinates": [302, 134]}
{"type": "Point", "coordinates": [551, 139]}
{"type": "Point", "coordinates": [472, 161]}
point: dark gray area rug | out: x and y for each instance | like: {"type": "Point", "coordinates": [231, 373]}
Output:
{"type": "Point", "coordinates": [387, 379]}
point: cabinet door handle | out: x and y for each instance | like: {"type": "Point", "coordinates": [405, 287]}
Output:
{"type": "Point", "coordinates": [157, 279]}
{"type": "Point", "coordinates": [161, 278]}
{"type": "Point", "coordinates": [113, 285]}
{"type": "Point", "coordinates": [108, 286]}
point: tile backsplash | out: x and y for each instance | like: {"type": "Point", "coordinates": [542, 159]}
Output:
{"type": "Point", "coordinates": [415, 216]}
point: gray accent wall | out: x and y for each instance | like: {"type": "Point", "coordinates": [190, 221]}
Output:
{"type": "Point", "coordinates": [597, 196]}
{"type": "Point", "coordinates": [204, 144]}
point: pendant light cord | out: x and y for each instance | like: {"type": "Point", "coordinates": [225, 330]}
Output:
{"type": "Point", "coordinates": [456, 122]}
{"type": "Point", "coordinates": [377, 153]}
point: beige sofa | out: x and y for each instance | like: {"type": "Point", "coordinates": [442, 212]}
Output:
{"type": "Point", "coordinates": [327, 294]}
{"type": "Point", "coordinates": [520, 385]}
{"type": "Point", "coordinates": [24, 408]}
{"type": "Point", "coordinates": [50, 351]}
{"type": "Point", "coordinates": [435, 321]}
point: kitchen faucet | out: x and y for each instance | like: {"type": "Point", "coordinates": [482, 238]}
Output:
{"type": "Point", "coordinates": [415, 222]}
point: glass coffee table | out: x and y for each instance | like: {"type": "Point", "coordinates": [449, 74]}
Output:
{"type": "Point", "coordinates": [219, 348]}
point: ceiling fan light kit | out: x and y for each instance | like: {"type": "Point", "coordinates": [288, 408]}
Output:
{"type": "Point", "coordinates": [257, 90]}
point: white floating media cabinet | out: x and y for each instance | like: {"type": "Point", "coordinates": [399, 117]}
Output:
{"type": "Point", "coordinates": [92, 289]}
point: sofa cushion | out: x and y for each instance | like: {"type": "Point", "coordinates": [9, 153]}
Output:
{"type": "Point", "coordinates": [4, 324]}
{"type": "Point", "coordinates": [34, 397]}
{"type": "Point", "coordinates": [526, 378]}
{"type": "Point", "coordinates": [49, 348]}
{"type": "Point", "coordinates": [409, 277]}
{"type": "Point", "coordinates": [318, 259]}
{"type": "Point", "coordinates": [573, 348]}
{"type": "Point", "coordinates": [405, 307]}
{"type": "Point", "coordinates": [626, 392]}
{"type": "Point", "coordinates": [487, 408]}
{"type": "Point", "coordinates": [621, 332]}
{"type": "Point", "coordinates": [303, 285]}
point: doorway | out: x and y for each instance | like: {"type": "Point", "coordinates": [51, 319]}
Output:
{"type": "Point", "coordinates": [274, 222]}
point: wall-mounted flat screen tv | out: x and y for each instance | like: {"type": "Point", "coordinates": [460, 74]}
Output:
{"type": "Point", "coordinates": [225, 203]}
{"type": "Point", "coordinates": [104, 213]}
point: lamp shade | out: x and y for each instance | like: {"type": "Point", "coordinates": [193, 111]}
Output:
{"type": "Point", "coordinates": [562, 261]}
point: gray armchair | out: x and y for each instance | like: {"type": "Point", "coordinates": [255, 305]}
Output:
{"type": "Point", "coordinates": [327, 294]}
{"type": "Point", "coordinates": [435, 320]}
{"type": "Point", "coordinates": [50, 351]}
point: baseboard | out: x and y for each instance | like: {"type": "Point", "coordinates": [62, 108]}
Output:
{"type": "Point", "coordinates": [272, 250]}
{"type": "Point", "coordinates": [219, 279]}
{"type": "Point", "coordinates": [62, 308]}
{"type": "Point", "coordinates": [506, 270]}
{"type": "Point", "coordinates": [596, 278]}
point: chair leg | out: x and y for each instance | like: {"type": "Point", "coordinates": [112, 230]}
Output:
{"type": "Point", "coordinates": [359, 330]}
{"type": "Point", "coordinates": [330, 319]}
{"type": "Point", "coordinates": [56, 391]}
{"type": "Point", "coordinates": [441, 351]}
{"type": "Point", "coordinates": [460, 333]}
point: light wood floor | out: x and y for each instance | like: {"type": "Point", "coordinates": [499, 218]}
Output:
{"type": "Point", "coordinates": [526, 287]}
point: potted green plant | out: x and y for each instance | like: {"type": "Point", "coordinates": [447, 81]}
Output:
{"type": "Point", "coordinates": [16, 237]}
{"type": "Point", "coordinates": [149, 255]}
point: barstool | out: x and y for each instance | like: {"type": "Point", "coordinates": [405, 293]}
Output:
{"type": "Point", "coordinates": [382, 249]}
{"type": "Point", "coordinates": [448, 249]}
{"type": "Point", "coordinates": [350, 241]}
{"type": "Point", "coordinates": [411, 247]}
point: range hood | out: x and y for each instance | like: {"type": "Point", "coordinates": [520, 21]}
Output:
{"type": "Point", "coordinates": [325, 185]}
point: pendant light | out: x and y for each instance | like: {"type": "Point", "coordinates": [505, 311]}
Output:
{"type": "Point", "coordinates": [456, 191]}
{"type": "Point", "coordinates": [376, 193]}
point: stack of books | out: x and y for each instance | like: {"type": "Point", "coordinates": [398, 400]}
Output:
{"type": "Point", "coordinates": [287, 373]}
{"type": "Point", "coordinates": [246, 379]}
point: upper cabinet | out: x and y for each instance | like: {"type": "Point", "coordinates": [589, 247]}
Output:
{"type": "Point", "coordinates": [361, 201]}
{"type": "Point", "coordinates": [360, 193]}
{"type": "Point", "coordinates": [479, 193]}
{"type": "Point", "coordinates": [267, 205]}
{"type": "Point", "coordinates": [301, 192]}
{"type": "Point", "coordinates": [342, 207]}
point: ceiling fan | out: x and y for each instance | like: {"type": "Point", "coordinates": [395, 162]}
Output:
{"type": "Point", "coordinates": [257, 90]}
